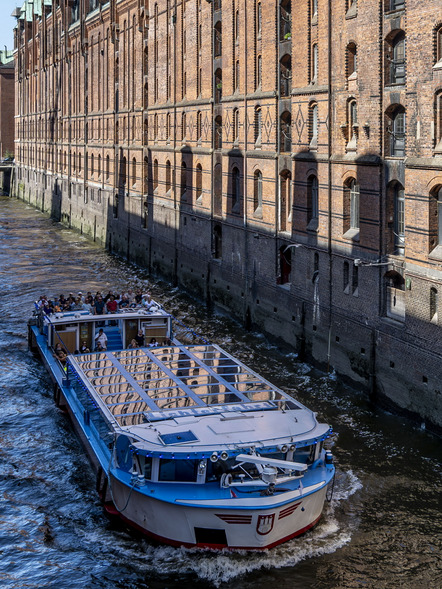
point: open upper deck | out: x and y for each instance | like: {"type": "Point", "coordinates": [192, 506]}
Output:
{"type": "Point", "coordinates": [143, 385]}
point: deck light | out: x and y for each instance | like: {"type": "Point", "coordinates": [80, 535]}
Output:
{"type": "Point", "coordinates": [224, 455]}
{"type": "Point", "coordinates": [214, 457]}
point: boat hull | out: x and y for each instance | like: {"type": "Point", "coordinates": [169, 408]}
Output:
{"type": "Point", "coordinates": [240, 528]}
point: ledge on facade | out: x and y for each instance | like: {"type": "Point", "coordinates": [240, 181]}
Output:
{"type": "Point", "coordinates": [366, 159]}
{"type": "Point", "coordinates": [259, 154]}
{"type": "Point", "coordinates": [312, 156]}
{"type": "Point", "coordinates": [424, 162]}
{"type": "Point", "coordinates": [352, 234]}
{"type": "Point", "coordinates": [313, 89]}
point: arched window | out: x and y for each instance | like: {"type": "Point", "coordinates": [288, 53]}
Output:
{"type": "Point", "coordinates": [258, 71]}
{"type": "Point", "coordinates": [92, 165]}
{"type": "Point", "coordinates": [285, 20]}
{"type": "Point", "coordinates": [155, 126]}
{"type": "Point", "coordinates": [346, 278]}
{"type": "Point", "coordinates": [107, 167]}
{"type": "Point", "coordinates": [183, 181]}
{"type": "Point", "coordinates": [218, 40]}
{"type": "Point", "coordinates": [168, 185]}
{"type": "Point", "coordinates": [183, 126]}
{"type": "Point", "coordinates": [258, 125]}
{"type": "Point", "coordinates": [285, 265]}
{"type": "Point", "coordinates": [235, 125]}
{"type": "Point", "coordinates": [155, 174]}
{"type": "Point", "coordinates": [315, 64]}
{"type": "Point", "coordinates": [199, 182]}
{"type": "Point", "coordinates": [258, 19]}
{"type": "Point", "coordinates": [218, 85]}
{"type": "Point", "coordinates": [218, 139]}
{"type": "Point", "coordinates": [285, 144]}
{"type": "Point", "coordinates": [397, 63]}
{"type": "Point", "coordinates": [438, 122]}
{"type": "Point", "coordinates": [257, 194]}
{"type": "Point", "coordinates": [236, 190]}
{"type": "Point", "coordinates": [285, 75]}
{"type": "Point", "coordinates": [399, 219]}
{"type": "Point", "coordinates": [198, 126]}
{"type": "Point", "coordinates": [351, 209]}
{"type": "Point", "coordinates": [236, 80]}
{"type": "Point", "coordinates": [435, 219]}
{"type": "Point", "coordinates": [438, 44]}
{"type": "Point", "coordinates": [351, 59]}
{"type": "Point", "coordinates": [313, 126]}
{"type": "Point", "coordinates": [285, 204]}
{"type": "Point", "coordinates": [217, 190]}
{"type": "Point", "coordinates": [352, 124]}
{"type": "Point", "coordinates": [396, 131]}
{"type": "Point", "coordinates": [433, 305]}
{"type": "Point", "coordinates": [314, 8]}
{"type": "Point", "coordinates": [99, 166]}
{"type": "Point", "coordinates": [134, 172]}
{"type": "Point", "coordinates": [312, 203]}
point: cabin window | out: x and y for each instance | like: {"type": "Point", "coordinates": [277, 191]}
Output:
{"type": "Point", "coordinates": [180, 471]}
{"type": "Point", "coordinates": [148, 467]}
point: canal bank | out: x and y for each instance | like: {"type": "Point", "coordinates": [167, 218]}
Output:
{"type": "Point", "coordinates": [381, 529]}
{"type": "Point", "coordinates": [320, 314]}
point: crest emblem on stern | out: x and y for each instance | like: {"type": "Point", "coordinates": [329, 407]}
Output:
{"type": "Point", "coordinates": [265, 524]}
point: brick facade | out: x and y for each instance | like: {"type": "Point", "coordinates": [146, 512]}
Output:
{"type": "Point", "coordinates": [200, 139]}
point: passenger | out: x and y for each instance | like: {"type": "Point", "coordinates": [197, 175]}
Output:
{"type": "Point", "coordinates": [133, 344]}
{"type": "Point", "coordinates": [138, 297]}
{"type": "Point", "coordinates": [124, 302]}
{"type": "Point", "coordinates": [80, 294]}
{"type": "Point", "coordinates": [140, 338]}
{"type": "Point", "coordinates": [99, 306]}
{"type": "Point", "coordinates": [62, 356]}
{"type": "Point", "coordinates": [99, 348]}
{"type": "Point", "coordinates": [108, 296]}
{"type": "Point", "coordinates": [78, 305]}
{"type": "Point", "coordinates": [153, 343]}
{"type": "Point", "coordinates": [112, 305]}
{"type": "Point", "coordinates": [83, 348]}
{"type": "Point", "coordinates": [88, 304]}
{"type": "Point", "coordinates": [101, 338]}
{"type": "Point", "coordinates": [59, 348]}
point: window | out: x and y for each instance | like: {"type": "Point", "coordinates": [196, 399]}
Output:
{"type": "Point", "coordinates": [397, 61]}
{"type": "Point", "coordinates": [346, 277]}
{"type": "Point", "coordinates": [236, 190]}
{"type": "Point", "coordinates": [257, 194]}
{"type": "Point", "coordinates": [199, 182]}
{"type": "Point", "coordinates": [285, 20]}
{"type": "Point", "coordinates": [236, 80]}
{"type": "Point", "coordinates": [285, 75]}
{"type": "Point", "coordinates": [355, 281]}
{"type": "Point", "coordinates": [285, 143]}
{"type": "Point", "coordinates": [183, 126]}
{"type": "Point", "coordinates": [312, 203]}
{"type": "Point", "coordinates": [218, 40]}
{"type": "Point", "coordinates": [285, 265]}
{"type": "Point", "coordinates": [134, 172]}
{"type": "Point", "coordinates": [155, 174]}
{"type": "Point", "coordinates": [395, 4]}
{"type": "Point", "coordinates": [433, 305]}
{"type": "Point", "coordinates": [396, 131]}
{"type": "Point", "coordinates": [352, 125]}
{"type": "Point", "coordinates": [218, 139]}
{"type": "Point", "coordinates": [258, 72]}
{"type": "Point", "coordinates": [351, 60]}
{"type": "Point", "coordinates": [438, 44]}
{"type": "Point", "coordinates": [217, 190]}
{"type": "Point", "coordinates": [314, 8]}
{"type": "Point", "coordinates": [258, 125]}
{"type": "Point", "coordinates": [107, 167]}
{"type": "Point", "coordinates": [183, 181]}
{"type": "Point", "coordinates": [313, 126]}
{"type": "Point", "coordinates": [218, 85]}
{"type": "Point", "coordinates": [399, 220]}
{"type": "Point", "coordinates": [168, 185]}
{"type": "Point", "coordinates": [198, 126]}
{"type": "Point", "coordinates": [235, 125]}
{"type": "Point", "coordinates": [395, 295]}
{"type": "Point", "coordinates": [438, 123]}
{"type": "Point", "coordinates": [258, 19]}
{"type": "Point", "coordinates": [314, 66]}
{"type": "Point", "coordinates": [351, 209]}
{"type": "Point", "coordinates": [435, 219]}
{"type": "Point", "coordinates": [285, 205]}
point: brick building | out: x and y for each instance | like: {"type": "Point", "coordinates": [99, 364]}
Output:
{"type": "Point", "coordinates": [7, 103]}
{"type": "Point", "coordinates": [202, 138]}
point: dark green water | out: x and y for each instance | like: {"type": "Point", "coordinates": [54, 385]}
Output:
{"type": "Point", "coordinates": [382, 529]}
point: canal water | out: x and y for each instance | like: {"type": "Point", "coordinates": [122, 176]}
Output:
{"type": "Point", "coordinates": [381, 529]}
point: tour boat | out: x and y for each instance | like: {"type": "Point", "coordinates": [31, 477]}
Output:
{"type": "Point", "coordinates": [190, 446]}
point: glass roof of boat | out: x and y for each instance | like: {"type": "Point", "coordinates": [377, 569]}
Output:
{"type": "Point", "coordinates": [148, 384]}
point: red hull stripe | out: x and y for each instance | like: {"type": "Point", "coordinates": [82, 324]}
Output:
{"type": "Point", "coordinates": [235, 519]}
{"type": "Point", "coordinates": [111, 510]}
{"type": "Point", "coordinates": [288, 511]}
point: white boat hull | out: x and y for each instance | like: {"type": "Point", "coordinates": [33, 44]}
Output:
{"type": "Point", "coordinates": [237, 527]}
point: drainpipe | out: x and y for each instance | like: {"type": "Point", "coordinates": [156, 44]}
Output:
{"type": "Point", "coordinates": [246, 236]}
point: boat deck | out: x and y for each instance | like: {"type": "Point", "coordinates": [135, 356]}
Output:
{"type": "Point", "coordinates": [142, 385]}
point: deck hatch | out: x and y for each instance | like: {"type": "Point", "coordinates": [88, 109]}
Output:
{"type": "Point", "coordinates": [178, 438]}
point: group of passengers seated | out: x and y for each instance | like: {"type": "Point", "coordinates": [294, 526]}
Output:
{"type": "Point", "coordinates": [96, 304]}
